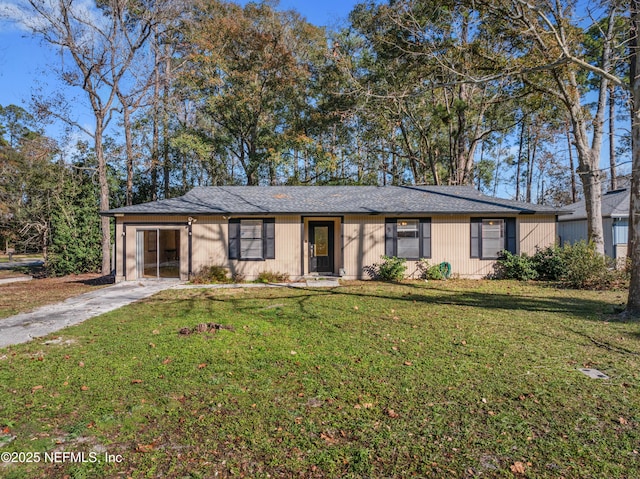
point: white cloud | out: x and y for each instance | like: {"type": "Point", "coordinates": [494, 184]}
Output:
{"type": "Point", "coordinates": [22, 15]}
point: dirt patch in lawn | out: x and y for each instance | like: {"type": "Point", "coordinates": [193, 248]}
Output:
{"type": "Point", "coordinates": [25, 296]}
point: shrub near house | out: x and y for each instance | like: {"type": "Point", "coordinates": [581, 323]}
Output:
{"type": "Point", "coordinates": [573, 265]}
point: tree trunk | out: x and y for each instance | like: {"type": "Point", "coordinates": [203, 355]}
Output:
{"type": "Point", "coordinates": [612, 143]}
{"type": "Point", "coordinates": [166, 160]}
{"type": "Point", "coordinates": [519, 158]}
{"type": "Point", "coordinates": [588, 148]}
{"type": "Point", "coordinates": [105, 224]}
{"type": "Point", "coordinates": [574, 193]}
{"type": "Point", "coordinates": [531, 154]}
{"type": "Point", "coordinates": [633, 301]}
{"type": "Point", "coordinates": [126, 118]}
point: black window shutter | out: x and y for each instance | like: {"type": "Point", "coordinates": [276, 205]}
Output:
{"type": "Point", "coordinates": [425, 238]}
{"type": "Point", "coordinates": [234, 239]}
{"type": "Point", "coordinates": [476, 236]}
{"type": "Point", "coordinates": [269, 238]}
{"type": "Point", "coordinates": [390, 236]}
{"type": "Point", "coordinates": [510, 235]}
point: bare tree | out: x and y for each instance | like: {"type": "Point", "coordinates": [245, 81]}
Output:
{"type": "Point", "coordinates": [102, 43]}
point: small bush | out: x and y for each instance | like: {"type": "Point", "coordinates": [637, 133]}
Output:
{"type": "Point", "coordinates": [585, 268]}
{"type": "Point", "coordinates": [513, 266]}
{"type": "Point", "coordinates": [272, 277]}
{"type": "Point", "coordinates": [576, 266]}
{"type": "Point", "coordinates": [391, 269]}
{"type": "Point", "coordinates": [550, 263]}
{"type": "Point", "coordinates": [431, 271]}
{"type": "Point", "coordinates": [237, 277]}
{"type": "Point", "coordinates": [211, 274]}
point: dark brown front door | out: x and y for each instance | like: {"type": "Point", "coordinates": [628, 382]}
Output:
{"type": "Point", "coordinates": [321, 247]}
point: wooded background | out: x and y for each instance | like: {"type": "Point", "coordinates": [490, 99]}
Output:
{"type": "Point", "coordinates": [517, 99]}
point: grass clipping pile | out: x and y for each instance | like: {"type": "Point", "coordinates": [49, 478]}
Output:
{"type": "Point", "coordinates": [205, 328]}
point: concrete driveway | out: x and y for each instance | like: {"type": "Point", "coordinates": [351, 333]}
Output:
{"type": "Point", "coordinates": [48, 319]}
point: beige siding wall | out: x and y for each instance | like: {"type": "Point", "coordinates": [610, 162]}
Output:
{"type": "Point", "coordinates": [362, 241]}
{"type": "Point", "coordinates": [451, 243]}
{"type": "Point", "coordinates": [536, 232]}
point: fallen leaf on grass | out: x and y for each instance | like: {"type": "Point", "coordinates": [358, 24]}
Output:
{"type": "Point", "coordinates": [622, 421]}
{"type": "Point", "coordinates": [327, 438]}
{"type": "Point", "coordinates": [408, 363]}
{"type": "Point", "coordinates": [137, 381]}
{"type": "Point", "coordinates": [517, 468]}
{"type": "Point", "coordinates": [202, 365]}
{"type": "Point", "coordinates": [145, 448]}
{"type": "Point", "coordinates": [84, 388]}
{"type": "Point", "coordinates": [392, 414]}
{"type": "Point", "coordinates": [35, 388]}
{"type": "Point", "coordinates": [166, 361]}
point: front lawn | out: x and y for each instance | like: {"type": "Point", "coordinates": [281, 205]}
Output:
{"type": "Point", "coordinates": [443, 379]}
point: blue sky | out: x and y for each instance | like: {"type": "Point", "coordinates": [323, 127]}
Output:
{"type": "Point", "coordinates": [24, 60]}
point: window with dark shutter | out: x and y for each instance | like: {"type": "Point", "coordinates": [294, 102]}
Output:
{"type": "Point", "coordinates": [234, 239]}
{"type": "Point", "coordinates": [425, 231]}
{"type": "Point", "coordinates": [408, 238]}
{"type": "Point", "coordinates": [269, 235]}
{"type": "Point", "coordinates": [252, 239]}
{"type": "Point", "coordinates": [490, 236]}
{"type": "Point", "coordinates": [476, 226]}
{"type": "Point", "coordinates": [390, 237]}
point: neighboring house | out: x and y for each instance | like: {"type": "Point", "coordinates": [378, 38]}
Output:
{"type": "Point", "coordinates": [325, 230]}
{"type": "Point", "coordinates": [615, 222]}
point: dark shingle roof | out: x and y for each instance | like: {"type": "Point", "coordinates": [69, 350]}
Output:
{"type": "Point", "coordinates": [262, 200]}
{"type": "Point", "coordinates": [615, 204]}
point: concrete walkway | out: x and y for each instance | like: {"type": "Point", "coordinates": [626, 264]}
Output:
{"type": "Point", "coordinates": [53, 317]}
{"type": "Point", "coordinates": [17, 279]}
{"type": "Point", "coordinates": [48, 319]}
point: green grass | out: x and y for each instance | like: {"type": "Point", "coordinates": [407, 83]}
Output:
{"type": "Point", "coordinates": [443, 379]}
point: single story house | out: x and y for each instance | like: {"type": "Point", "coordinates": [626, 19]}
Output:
{"type": "Point", "coordinates": [323, 230]}
{"type": "Point", "coordinates": [572, 227]}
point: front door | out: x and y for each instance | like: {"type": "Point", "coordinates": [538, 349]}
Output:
{"type": "Point", "coordinates": [321, 247]}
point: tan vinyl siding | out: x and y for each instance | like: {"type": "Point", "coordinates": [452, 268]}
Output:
{"type": "Point", "coordinates": [363, 244]}
{"type": "Point", "coordinates": [359, 243]}
{"type": "Point", "coordinates": [451, 243]}
{"type": "Point", "coordinates": [209, 242]}
{"type": "Point", "coordinates": [536, 231]}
